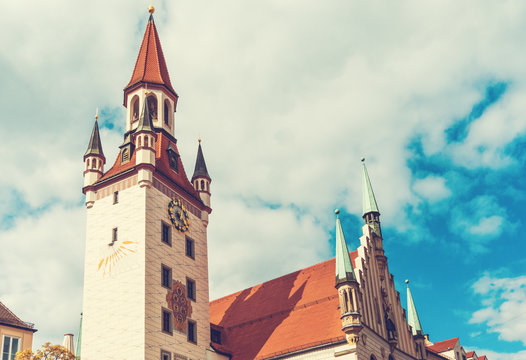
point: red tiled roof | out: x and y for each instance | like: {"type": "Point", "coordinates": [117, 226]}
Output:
{"type": "Point", "coordinates": [470, 354]}
{"type": "Point", "coordinates": [151, 66]}
{"type": "Point", "coordinates": [444, 345]}
{"type": "Point", "coordinates": [162, 166]}
{"type": "Point", "coordinates": [483, 357]}
{"type": "Point", "coordinates": [293, 312]}
{"type": "Point", "coordinates": [8, 318]}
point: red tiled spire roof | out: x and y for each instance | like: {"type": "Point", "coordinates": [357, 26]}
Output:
{"type": "Point", "coordinates": [293, 312]}
{"type": "Point", "coordinates": [150, 67]}
{"type": "Point", "coordinates": [8, 318]}
{"type": "Point", "coordinates": [444, 345]}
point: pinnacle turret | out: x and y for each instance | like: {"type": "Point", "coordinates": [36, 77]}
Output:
{"type": "Point", "coordinates": [371, 214]}
{"type": "Point", "coordinates": [145, 120]}
{"type": "Point", "coordinates": [344, 269]}
{"type": "Point", "coordinates": [200, 164]}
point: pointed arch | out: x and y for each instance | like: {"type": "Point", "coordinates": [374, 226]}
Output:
{"type": "Point", "coordinates": [134, 109]}
{"type": "Point", "coordinates": [152, 105]}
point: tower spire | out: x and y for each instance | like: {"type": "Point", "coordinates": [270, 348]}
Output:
{"type": "Point", "coordinates": [200, 164]}
{"type": "Point", "coordinates": [344, 269]}
{"type": "Point", "coordinates": [412, 315]}
{"type": "Point", "coordinates": [201, 180]}
{"type": "Point", "coordinates": [371, 214]}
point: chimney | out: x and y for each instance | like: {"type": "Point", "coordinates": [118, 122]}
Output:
{"type": "Point", "coordinates": [68, 342]}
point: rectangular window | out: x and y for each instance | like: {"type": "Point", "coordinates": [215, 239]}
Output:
{"type": "Point", "coordinates": [115, 197]}
{"type": "Point", "coordinates": [165, 355]}
{"type": "Point", "coordinates": [215, 336]}
{"type": "Point", "coordinates": [166, 276]}
{"type": "Point", "coordinates": [192, 332]}
{"type": "Point", "coordinates": [190, 248]}
{"type": "Point", "coordinates": [190, 289]}
{"type": "Point", "coordinates": [167, 322]}
{"type": "Point", "coordinates": [166, 236]}
{"type": "Point", "coordinates": [10, 345]}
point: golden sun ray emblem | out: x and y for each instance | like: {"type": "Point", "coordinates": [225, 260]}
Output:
{"type": "Point", "coordinates": [115, 251]}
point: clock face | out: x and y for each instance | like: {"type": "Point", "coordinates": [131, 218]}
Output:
{"type": "Point", "coordinates": [178, 215]}
{"type": "Point", "coordinates": [113, 252]}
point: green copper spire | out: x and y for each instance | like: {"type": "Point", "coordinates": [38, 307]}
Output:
{"type": "Point", "coordinates": [369, 201]}
{"type": "Point", "coordinates": [344, 269]}
{"type": "Point", "coordinates": [95, 145]}
{"type": "Point", "coordinates": [412, 316]}
{"type": "Point", "coordinates": [145, 121]}
{"type": "Point", "coordinates": [79, 340]}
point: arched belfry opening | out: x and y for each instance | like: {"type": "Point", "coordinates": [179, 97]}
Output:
{"type": "Point", "coordinates": [134, 113]}
{"type": "Point", "coordinates": [167, 113]}
{"type": "Point", "coordinates": [152, 105]}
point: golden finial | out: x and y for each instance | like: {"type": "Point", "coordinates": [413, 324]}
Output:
{"type": "Point", "coordinates": [146, 92]}
{"type": "Point", "coordinates": [199, 138]}
{"type": "Point", "coordinates": [97, 114]}
{"type": "Point", "coordinates": [151, 9]}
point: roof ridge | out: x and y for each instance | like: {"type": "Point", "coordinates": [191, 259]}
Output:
{"type": "Point", "coordinates": [218, 300]}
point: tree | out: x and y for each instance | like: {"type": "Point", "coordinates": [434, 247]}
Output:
{"type": "Point", "coordinates": [46, 352]}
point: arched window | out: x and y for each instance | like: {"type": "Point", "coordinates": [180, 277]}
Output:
{"type": "Point", "coordinates": [166, 112]}
{"type": "Point", "coordinates": [87, 164]}
{"type": "Point", "coordinates": [139, 141]}
{"type": "Point", "coordinates": [94, 164]}
{"type": "Point", "coordinates": [134, 113]}
{"type": "Point", "coordinates": [372, 357]}
{"type": "Point", "coordinates": [202, 184]}
{"type": "Point", "coordinates": [152, 106]}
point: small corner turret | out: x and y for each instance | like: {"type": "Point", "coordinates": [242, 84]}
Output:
{"type": "Point", "coordinates": [348, 288]}
{"type": "Point", "coordinates": [201, 180]}
{"type": "Point", "coordinates": [416, 328]}
{"type": "Point", "coordinates": [145, 137]}
{"type": "Point", "coordinates": [94, 161]}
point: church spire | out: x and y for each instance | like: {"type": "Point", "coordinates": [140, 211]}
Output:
{"type": "Point", "coordinates": [371, 214]}
{"type": "Point", "coordinates": [344, 269]}
{"type": "Point", "coordinates": [412, 315]}
{"type": "Point", "coordinates": [150, 67]}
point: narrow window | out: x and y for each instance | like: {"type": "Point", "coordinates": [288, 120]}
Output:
{"type": "Point", "coordinates": [215, 336]}
{"type": "Point", "coordinates": [202, 184]}
{"type": "Point", "coordinates": [9, 347]}
{"type": "Point", "coordinates": [166, 113]}
{"type": "Point", "coordinates": [190, 289]}
{"type": "Point", "coordinates": [192, 332]}
{"type": "Point", "coordinates": [190, 250]}
{"type": "Point", "coordinates": [167, 322]}
{"type": "Point", "coordinates": [152, 106]}
{"type": "Point", "coordinates": [166, 236]}
{"type": "Point", "coordinates": [114, 235]}
{"type": "Point", "coordinates": [165, 355]}
{"type": "Point", "coordinates": [135, 109]}
{"type": "Point", "coordinates": [166, 276]}
{"type": "Point", "coordinates": [94, 163]}
{"type": "Point", "coordinates": [115, 197]}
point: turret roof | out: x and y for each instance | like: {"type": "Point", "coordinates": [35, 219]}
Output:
{"type": "Point", "coordinates": [369, 201]}
{"type": "Point", "coordinates": [145, 120]}
{"type": "Point", "coordinates": [200, 165]}
{"type": "Point", "coordinates": [150, 66]}
{"type": "Point", "coordinates": [95, 145]}
{"type": "Point", "coordinates": [412, 315]}
{"type": "Point", "coordinates": [344, 269]}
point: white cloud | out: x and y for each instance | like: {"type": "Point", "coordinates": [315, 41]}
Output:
{"type": "Point", "coordinates": [431, 188]}
{"type": "Point", "coordinates": [287, 99]}
{"type": "Point", "coordinates": [504, 310]}
{"type": "Point", "coordinates": [42, 267]}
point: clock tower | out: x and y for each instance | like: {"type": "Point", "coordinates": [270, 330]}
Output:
{"type": "Point", "coordinates": [146, 263]}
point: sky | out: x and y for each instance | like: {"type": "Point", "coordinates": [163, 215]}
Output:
{"type": "Point", "coordinates": [287, 96]}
